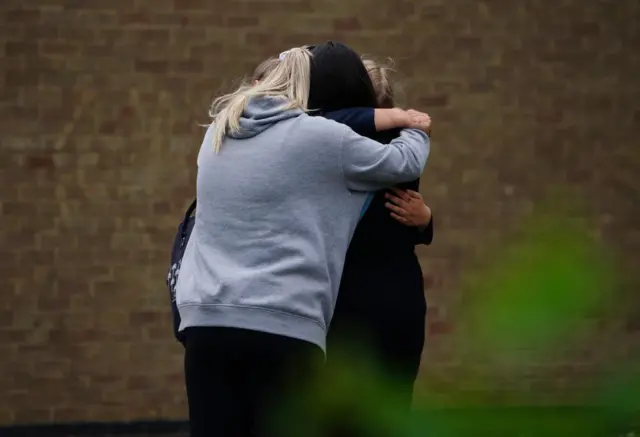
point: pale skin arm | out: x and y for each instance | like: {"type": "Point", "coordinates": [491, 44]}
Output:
{"type": "Point", "coordinates": [390, 118]}
{"type": "Point", "coordinates": [394, 118]}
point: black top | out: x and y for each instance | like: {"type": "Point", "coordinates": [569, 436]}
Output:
{"type": "Point", "coordinates": [380, 238]}
{"type": "Point", "coordinates": [381, 299]}
{"type": "Point", "coordinates": [381, 269]}
{"type": "Point", "coordinates": [381, 306]}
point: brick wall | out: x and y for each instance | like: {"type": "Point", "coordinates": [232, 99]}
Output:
{"type": "Point", "coordinates": [99, 110]}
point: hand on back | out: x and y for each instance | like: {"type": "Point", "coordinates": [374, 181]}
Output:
{"type": "Point", "coordinates": [391, 118]}
{"type": "Point", "coordinates": [408, 207]}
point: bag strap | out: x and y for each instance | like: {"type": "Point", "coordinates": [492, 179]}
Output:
{"type": "Point", "coordinates": [191, 208]}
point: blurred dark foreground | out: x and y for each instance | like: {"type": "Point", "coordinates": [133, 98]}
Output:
{"type": "Point", "coordinates": [498, 422]}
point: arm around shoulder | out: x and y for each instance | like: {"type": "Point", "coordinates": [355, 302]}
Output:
{"type": "Point", "coordinates": [368, 165]}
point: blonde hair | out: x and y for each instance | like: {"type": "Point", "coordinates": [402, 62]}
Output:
{"type": "Point", "coordinates": [289, 80]}
{"type": "Point", "coordinates": [379, 75]}
{"type": "Point", "coordinates": [264, 69]}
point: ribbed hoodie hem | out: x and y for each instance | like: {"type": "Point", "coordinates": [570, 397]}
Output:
{"type": "Point", "coordinates": [254, 318]}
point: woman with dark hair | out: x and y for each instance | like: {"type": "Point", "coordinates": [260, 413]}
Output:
{"type": "Point", "coordinates": [381, 302]}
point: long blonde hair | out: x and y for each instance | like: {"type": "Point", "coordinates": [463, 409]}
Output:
{"type": "Point", "coordinates": [264, 69]}
{"type": "Point", "coordinates": [289, 79]}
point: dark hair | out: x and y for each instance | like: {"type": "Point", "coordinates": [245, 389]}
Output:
{"type": "Point", "coordinates": [338, 79]}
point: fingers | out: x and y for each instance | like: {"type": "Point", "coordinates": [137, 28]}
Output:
{"type": "Point", "coordinates": [418, 115]}
{"type": "Point", "coordinates": [399, 218]}
{"type": "Point", "coordinates": [420, 120]}
{"type": "Point", "coordinates": [405, 197]}
{"type": "Point", "coordinates": [397, 200]}
{"type": "Point", "coordinates": [396, 209]}
{"type": "Point", "coordinates": [403, 194]}
{"type": "Point", "coordinates": [413, 112]}
{"type": "Point", "coordinates": [414, 194]}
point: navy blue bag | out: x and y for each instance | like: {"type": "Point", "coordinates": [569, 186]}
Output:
{"type": "Point", "coordinates": [179, 246]}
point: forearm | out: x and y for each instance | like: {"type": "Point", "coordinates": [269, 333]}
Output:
{"type": "Point", "coordinates": [368, 121]}
{"type": "Point", "coordinates": [369, 166]}
{"type": "Point", "coordinates": [424, 233]}
{"type": "Point", "coordinates": [386, 119]}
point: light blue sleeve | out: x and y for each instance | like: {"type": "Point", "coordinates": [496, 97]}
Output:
{"type": "Point", "coordinates": [369, 166]}
{"type": "Point", "coordinates": [366, 205]}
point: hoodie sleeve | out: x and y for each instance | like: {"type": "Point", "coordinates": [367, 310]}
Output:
{"type": "Point", "coordinates": [425, 235]}
{"type": "Point", "coordinates": [368, 165]}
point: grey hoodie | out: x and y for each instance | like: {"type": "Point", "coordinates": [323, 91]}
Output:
{"type": "Point", "coordinates": [277, 207]}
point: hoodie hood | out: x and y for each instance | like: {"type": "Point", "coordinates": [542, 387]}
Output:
{"type": "Point", "coordinates": [339, 79]}
{"type": "Point", "coordinates": [261, 113]}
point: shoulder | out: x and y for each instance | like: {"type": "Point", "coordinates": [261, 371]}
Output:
{"type": "Point", "coordinates": [318, 141]}
{"type": "Point", "coordinates": [321, 127]}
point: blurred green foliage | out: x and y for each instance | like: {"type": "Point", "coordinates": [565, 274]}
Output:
{"type": "Point", "coordinates": [533, 297]}
{"type": "Point", "coordinates": [539, 292]}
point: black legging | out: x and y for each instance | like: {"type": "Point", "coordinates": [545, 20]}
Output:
{"type": "Point", "coordinates": [379, 318]}
{"type": "Point", "coordinates": [242, 383]}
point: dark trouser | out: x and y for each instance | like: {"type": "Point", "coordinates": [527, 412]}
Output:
{"type": "Point", "coordinates": [240, 383]}
{"type": "Point", "coordinates": [390, 357]}
{"type": "Point", "coordinates": [380, 316]}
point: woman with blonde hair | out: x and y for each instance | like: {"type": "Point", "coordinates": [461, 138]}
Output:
{"type": "Point", "coordinates": [279, 196]}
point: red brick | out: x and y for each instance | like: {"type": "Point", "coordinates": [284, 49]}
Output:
{"type": "Point", "coordinates": [194, 66]}
{"type": "Point", "coordinates": [98, 51]}
{"type": "Point", "coordinates": [16, 78]}
{"type": "Point", "coordinates": [139, 383]}
{"type": "Point", "coordinates": [140, 318]}
{"type": "Point", "coordinates": [152, 66]}
{"type": "Point", "coordinates": [275, 6]}
{"type": "Point", "coordinates": [53, 303]}
{"type": "Point", "coordinates": [586, 29]}
{"type": "Point", "coordinates": [467, 42]}
{"type": "Point", "coordinates": [160, 36]}
{"type": "Point", "coordinates": [36, 162]}
{"type": "Point", "coordinates": [22, 16]}
{"type": "Point", "coordinates": [138, 17]}
{"type": "Point", "coordinates": [434, 101]}
{"type": "Point", "coordinates": [347, 24]}
{"type": "Point", "coordinates": [181, 5]}
{"type": "Point", "coordinates": [17, 49]}
{"type": "Point", "coordinates": [58, 48]}
{"type": "Point", "coordinates": [247, 21]}
{"type": "Point", "coordinates": [438, 328]}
